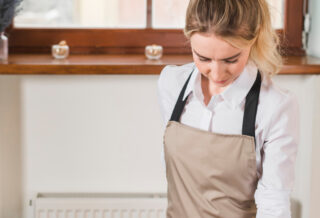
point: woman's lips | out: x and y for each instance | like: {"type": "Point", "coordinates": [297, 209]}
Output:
{"type": "Point", "coordinates": [221, 82]}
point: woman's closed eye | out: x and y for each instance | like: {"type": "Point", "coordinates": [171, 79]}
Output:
{"type": "Point", "coordinates": [204, 59]}
{"type": "Point", "coordinates": [226, 61]}
{"type": "Point", "coordinates": [231, 61]}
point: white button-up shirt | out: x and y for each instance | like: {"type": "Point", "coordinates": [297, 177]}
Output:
{"type": "Point", "coordinates": [276, 129]}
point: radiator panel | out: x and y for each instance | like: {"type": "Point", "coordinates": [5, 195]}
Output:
{"type": "Point", "coordinates": [108, 206]}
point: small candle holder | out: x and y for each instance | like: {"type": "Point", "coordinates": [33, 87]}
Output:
{"type": "Point", "coordinates": [60, 51]}
{"type": "Point", "coordinates": [153, 52]}
{"type": "Point", "coordinates": [3, 47]}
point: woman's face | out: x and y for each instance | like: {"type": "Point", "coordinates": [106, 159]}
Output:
{"type": "Point", "coordinates": [217, 60]}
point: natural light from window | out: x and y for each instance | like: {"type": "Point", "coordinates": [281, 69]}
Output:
{"type": "Point", "coordinates": [113, 14]}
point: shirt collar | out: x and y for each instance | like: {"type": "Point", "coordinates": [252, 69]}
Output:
{"type": "Point", "coordinates": [237, 91]}
{"type": "Point", "coordinates": [234, 94]}
{"type": "Point", "coordinates": [192, 82]}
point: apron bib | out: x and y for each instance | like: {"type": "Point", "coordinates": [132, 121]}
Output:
{"type": "Point", "coordinates": [211, 175]}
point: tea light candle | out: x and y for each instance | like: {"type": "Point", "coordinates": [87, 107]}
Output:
{"type": "Point", "coordinates": [61, 50]}
{"type": "Point", "coordinates": [153, 52]}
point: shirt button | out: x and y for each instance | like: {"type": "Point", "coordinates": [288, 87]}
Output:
{"type": "Point", "coordinates": [208, 119]}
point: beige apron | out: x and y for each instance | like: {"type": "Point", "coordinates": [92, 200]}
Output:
{"type": "Point", "coordinates": [211, 175]}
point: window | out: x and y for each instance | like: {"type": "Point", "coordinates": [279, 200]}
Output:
{"type": "Point", "coordinates": [82, 14]}
{"type": "Point", "coordinates": [126, 26]}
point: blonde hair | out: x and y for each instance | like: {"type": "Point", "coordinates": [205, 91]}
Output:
{"type": "Point", "coordinates": [241, 23]}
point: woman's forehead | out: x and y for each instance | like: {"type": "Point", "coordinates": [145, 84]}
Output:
{"type": "Point", "coordinates": [211, 46]}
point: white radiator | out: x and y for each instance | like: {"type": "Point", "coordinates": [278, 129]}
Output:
{"type": "Point", "coordinates": [111, 205]}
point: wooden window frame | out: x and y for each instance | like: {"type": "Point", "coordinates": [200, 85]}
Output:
{"type": "Point", "coordinates": [133, 41]}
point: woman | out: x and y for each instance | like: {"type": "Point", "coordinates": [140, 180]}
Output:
{"type": "Point", "coordinates": [231, 135]}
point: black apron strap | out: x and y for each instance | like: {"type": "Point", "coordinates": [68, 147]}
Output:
{"type": "Point", "coordinates": [250, 111]}
{"type": "Point", "coordinates": [178, 108]}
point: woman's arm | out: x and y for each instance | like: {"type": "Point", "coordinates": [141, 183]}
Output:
{"type": "Point", "coordinates": [165, 101]}
{"type": "Point", "coordinates": [165, 97]}
{"type": "Point", "coordinates": [278, 162]}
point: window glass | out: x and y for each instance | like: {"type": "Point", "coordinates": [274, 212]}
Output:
{"type": "Point", "coordinates": [82, 13]}
{"type": "Point", "coordinates": [171, 13]}
{"type": "Point", "coordinates": [113, 13]}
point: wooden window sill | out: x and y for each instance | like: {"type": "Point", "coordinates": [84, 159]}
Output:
{"type": "Point", "coordinates": [124, 64]}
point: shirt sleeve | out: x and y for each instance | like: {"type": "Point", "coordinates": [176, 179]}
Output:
{"type": "Point", "coordinates": [165, 101]}
{"type": "Point", "coordinates": [278, 161]}
{"type": "Point", "coordinates": [165, 96]}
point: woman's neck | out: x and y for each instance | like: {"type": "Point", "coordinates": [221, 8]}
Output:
{"type": "Point", "coordinates": [209, 89]}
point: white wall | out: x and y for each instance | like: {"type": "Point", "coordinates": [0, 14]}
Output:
{"type": "Point", "coordinates": [91, 134]}
{"type": "Point", "coordinates": [77, 134]}
{"type": "Point", "coordinates": [104, 134]}
{"type": "Point", "coordinates": [306, 88]}
{"type": "Point", "coordinates": [314, 50]}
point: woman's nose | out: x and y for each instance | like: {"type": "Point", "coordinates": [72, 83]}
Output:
{"type": "Point", "coordinates": [216, 71]}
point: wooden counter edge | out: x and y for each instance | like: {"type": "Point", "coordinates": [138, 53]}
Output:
{"type": "Point", "coordinates": [124, 64]}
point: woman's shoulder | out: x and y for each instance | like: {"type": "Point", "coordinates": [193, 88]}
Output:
{"type": "Point", "coordinates": [273, 92]}
{"type": "Point", "coordinates": [276, 99]}
{"type": "Point", "coordinates": [170, 83]}
{"type": "Point", "coordinates": [172, 77]}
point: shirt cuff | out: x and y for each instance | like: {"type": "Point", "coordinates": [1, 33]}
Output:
{"type": "Point", "coordinates": [272, 203]}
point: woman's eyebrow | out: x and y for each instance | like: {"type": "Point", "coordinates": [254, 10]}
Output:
{"type": "Point", "coordinates": [224, 59]}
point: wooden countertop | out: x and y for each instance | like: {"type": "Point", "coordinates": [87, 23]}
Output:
{"type": "Point", "coordinates": [124, 64]}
